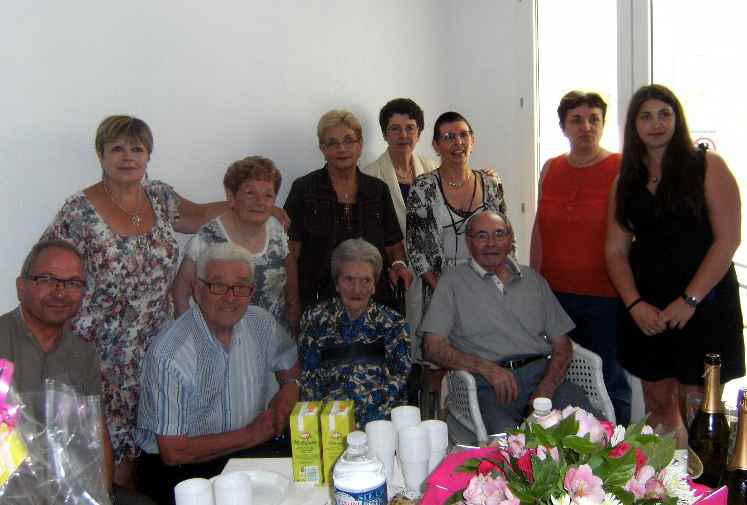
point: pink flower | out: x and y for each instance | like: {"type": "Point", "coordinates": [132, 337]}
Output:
{"type": "Point", "coordinates": [525, 465]}
{"type": "Point", "coordinates": [582, 483]}
{"type": "Point", "coordinates": [543, 451]}
{"type": "Point", "coordinates": [620, 450]}
{"type": "Point", "coordinates": [655, 489]}
{"type": "Point", "coordinates": [637, 483]}
{"type": "Point", "coordinates": [486, 490]}
{"type": "Point", "coordinates": [553, 418]}
{"type": "Point", "coordinates": [517, 445]}
{"type": "Point", "coordinates": [609, 429]}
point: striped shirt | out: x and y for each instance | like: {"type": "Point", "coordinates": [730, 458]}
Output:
{"type": "Point", "coordinates": [192, 386]}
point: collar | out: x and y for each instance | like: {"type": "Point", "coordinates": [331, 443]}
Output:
{"type": "Point", "coordinates": [341, 315]}
{"type": "Point", "coordinates": [202, 324]}
{"type": "Point", "coordinates": [513, 267]}
{"type": "Point", "coordinates": [21, 321]}
{"type": "Point", "coordinates": [364, 188]}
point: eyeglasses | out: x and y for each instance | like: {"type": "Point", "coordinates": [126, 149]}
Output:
{"type": "Point", "coordinates": [334, 143]}
{"type": "Point", "coordinates": [53, 282]}
{"type": "Point", "coordinates": [452, 137]}
{"type": "Point", "coordinates": [483, 236]}
{"type": "Point", "coordinates": [397, 129]}
{"type": "Point", "coordinates": [238, 290]}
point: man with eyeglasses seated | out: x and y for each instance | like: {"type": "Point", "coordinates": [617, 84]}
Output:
{"type": "Point", "coordinates": [501, 322]}
{"type": "Point", "coordinates": [36, 337]}
{"type": "Point", "coordinates": [204, 389]}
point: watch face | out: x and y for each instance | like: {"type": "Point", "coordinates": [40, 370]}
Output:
{"type": "Point", "coordinates": [690, 300]}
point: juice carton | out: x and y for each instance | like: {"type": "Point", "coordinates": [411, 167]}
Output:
{"type": "Point", "coordinates": [338, 419]}
{"type": "Point", "coordinates": [306, 442]}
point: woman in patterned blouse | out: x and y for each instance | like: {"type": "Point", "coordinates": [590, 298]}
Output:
{"type": "Point", "coordinates": [251, 186]}
{"type": "Point", "coordinates": [351, 347]}
{"type": "Point", "coordinates": [124, 226]}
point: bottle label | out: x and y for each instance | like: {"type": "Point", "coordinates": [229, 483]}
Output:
{"type": "Point", "coordinates": [373, 496]}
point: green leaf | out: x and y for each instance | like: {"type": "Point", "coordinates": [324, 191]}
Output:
{"type": "Point", "coordinates": [454, 499]}
{"type": "Point", "coordinates": [565, 428]}
{"type": "Point", "coordinates": [580, 445]}
{"type": "Point", "coordinates": [626, 497]}
{"type": "Point", "coordinates": [620, 475]}
{"type": "Point", "coordinates": [634, 430]}
{"type": "Point", "coordinates": [543, 436]}
{"type": "Point", "coordinates": [469, 466]}
{"type": "Point", "coordinates": [662, 453]}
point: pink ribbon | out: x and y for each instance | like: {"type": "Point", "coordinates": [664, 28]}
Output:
{"type": "Point", "coordinates": [8, 412]}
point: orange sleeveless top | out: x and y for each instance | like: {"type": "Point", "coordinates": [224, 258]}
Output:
{"type": "Point", "coordinates": [572, 220]}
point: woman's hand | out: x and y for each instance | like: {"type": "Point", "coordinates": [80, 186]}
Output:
{"type": "Point", "coordinates": [677, 314]}
{"type": "Point", "coordinates": [648, 318]}
{"type": "Point", "coordinates": [400, 271]}
{"type": "Point", "coordinates": [282, 216]}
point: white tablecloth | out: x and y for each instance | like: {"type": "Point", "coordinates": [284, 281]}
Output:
{"type": "Point", "coordinates": [301, 493]}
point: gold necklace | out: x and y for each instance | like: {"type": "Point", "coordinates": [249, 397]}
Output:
{"type": "Point", "coordinates": [457, 185]}
{"type": "Point", "coordinates": [135, 218]}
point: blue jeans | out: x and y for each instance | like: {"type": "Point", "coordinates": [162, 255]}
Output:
{"type": "Point", "coordinates": [596, 329]}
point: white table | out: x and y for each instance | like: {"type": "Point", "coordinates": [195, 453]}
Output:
{"type": "Point", "coordinates": [302, 493]}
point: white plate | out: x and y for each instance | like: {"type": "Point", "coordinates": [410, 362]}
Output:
{"type": "Point", "coordinates": [268, 488]}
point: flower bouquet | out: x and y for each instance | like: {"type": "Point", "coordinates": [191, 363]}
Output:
{"type": "Point", "coordinates": [571, 458]}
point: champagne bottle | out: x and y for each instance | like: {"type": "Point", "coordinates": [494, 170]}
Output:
{"type": "Point", "coordinates": [735, 477]}
{"type": "Point", "coordinates": [709, 433]}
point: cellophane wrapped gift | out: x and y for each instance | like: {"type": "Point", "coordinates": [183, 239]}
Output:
{"type": "Point", "coordinates": [55, 462]}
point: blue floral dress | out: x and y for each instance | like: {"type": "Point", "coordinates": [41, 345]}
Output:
{"type": "Point", "coordinates": [269, 267]}
{"type": "Point", "coordinates": [374, 387]}
{"type": "Point", "coordinates": [126, 302]}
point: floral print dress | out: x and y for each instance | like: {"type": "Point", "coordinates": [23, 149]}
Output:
{"type": "Point", "coordinates": [269, 265]}
{"type": "Point", "coordinates": [435, 234]}
{"type": "Point", "coordinates": [126, 302]}
{"type": "Point", "coordinates": [376, 388]}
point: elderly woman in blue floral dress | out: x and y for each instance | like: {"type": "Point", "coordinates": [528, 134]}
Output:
{"type": "Point", "coordinates": [353, 348]}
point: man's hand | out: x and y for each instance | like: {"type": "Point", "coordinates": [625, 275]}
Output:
{"type": "Point", "coordinates": [281, 405]}
{"type": "Point", "coordinates": [400, 271]}
{"type": "Point", "coordinates": [503, 382]}
{"type": "Point", "coordinates": [261, 429]}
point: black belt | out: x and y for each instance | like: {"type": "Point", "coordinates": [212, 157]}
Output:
{"type": "Point", "coordinates": [354, 353]}
{"type": "Point", "coordinates": [513, 364]}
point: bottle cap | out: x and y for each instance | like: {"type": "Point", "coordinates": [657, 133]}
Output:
{"type": "Point", "coordinates": [356, 438]}
{"type": "Point", "coordinates": [542, 404]}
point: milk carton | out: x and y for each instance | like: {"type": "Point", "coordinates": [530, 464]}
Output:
{"type": "Point", "coordinates": [306, 442]}
{"type": "Point", "coordinates": [338, 419]}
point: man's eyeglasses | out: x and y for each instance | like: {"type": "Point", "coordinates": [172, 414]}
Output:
{"type": "Point", "coordinates": [238, 290]}
{"type": "Point", "coordinates": [483, 236]}
{"type": "Point", "coordinates": [334, 143]}
{"type": "Point", "coordinates": [452, 137]}
{"type": "Point", "coordinates": [50, 281]}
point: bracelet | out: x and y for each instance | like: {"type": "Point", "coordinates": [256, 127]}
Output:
{"type": "Point", "coordinates": [634, 303]}
{"type": "Point", "coordinates": [398, 262]}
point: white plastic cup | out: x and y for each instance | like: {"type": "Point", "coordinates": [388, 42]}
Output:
{"type": "Point", "coordinates": [412, 444]}
{"type": "Point", "coordinates": [434, 459]}
{"type": "Point", "coordinates": [414, 473]}
{"type": "Point", "coordinates": [438, 440]}
{"type": "Point", "coordinates": [381, 442]}
{"type": "Point", "coordinates": [404, 416]}
{"type": "Point", "coordinates": [194, 492]}
{"type": "Point", "coordinates": [233, 489]}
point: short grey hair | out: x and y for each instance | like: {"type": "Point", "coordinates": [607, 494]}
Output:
{"type": "Point", "coordinates": [224, 251]}
{"type": "Point", "coordinates": [42, 246]}
{"type": "Point", "coordinates": [501, 215]}
{"type": "Point", "coordinates": [355, 249]}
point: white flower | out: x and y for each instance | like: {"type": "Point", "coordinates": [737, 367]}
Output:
{"type": "Point", "coordinates": [647, 430]}
{"type": "Point", "coordinates": [618, 435]}
{"type": "Point", "coordinates": [674, 478]}
{"type": "Point", "coordinates": [564, 499]}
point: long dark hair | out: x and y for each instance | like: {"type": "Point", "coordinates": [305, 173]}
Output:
{"type": "Point", "coordinates": [681, 189]}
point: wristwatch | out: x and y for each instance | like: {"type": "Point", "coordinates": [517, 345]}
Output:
{"type": "Point", "coordinates": [690, 300]}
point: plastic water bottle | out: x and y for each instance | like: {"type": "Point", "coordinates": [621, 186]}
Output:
{"type": "Point", "coordinates": [542, 409]}
{"type": "Point", "coordinates": [359, 477]}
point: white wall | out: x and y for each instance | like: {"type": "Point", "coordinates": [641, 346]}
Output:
{"type": "Point", "coordinates": [220, 80]}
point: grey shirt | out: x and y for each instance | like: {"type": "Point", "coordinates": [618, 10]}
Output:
{"type": "Point", "coordinates": [73, 361]}
{"type": "Point", "coordinates": [493, 320]}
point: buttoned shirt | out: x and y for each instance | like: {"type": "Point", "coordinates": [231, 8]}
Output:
{"type": "Point", "coordinates": [193, 386]}
{"type": "Point", "coordinates": [494, 320]}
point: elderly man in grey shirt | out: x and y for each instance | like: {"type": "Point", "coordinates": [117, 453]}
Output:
{"type": "Point", "coordinates": [500, 321]}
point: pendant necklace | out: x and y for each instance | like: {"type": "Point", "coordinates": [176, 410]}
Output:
{"type": "Point", "coordinates": [135, 218]}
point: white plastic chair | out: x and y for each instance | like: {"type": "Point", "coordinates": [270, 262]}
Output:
{"type": "Point", "coordinates": [585, 370]}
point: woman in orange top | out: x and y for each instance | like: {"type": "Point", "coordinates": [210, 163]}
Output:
{"type": "Point", "coordinates": [569, 233]}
